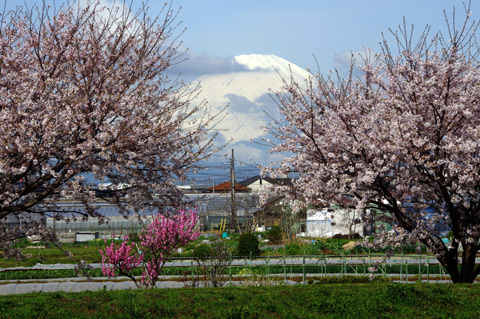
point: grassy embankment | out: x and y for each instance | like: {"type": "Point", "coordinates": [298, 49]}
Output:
{"type": "Point", "coordinates": [378, 300]}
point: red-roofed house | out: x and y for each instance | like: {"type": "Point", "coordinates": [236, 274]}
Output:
{"type": "Point", "coordinates": [227, 187]}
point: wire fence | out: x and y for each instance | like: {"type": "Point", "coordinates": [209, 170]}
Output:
{"type": "Point", "coordinates": [399, 267]}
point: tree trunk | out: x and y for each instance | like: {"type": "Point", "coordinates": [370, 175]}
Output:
{"type": "Point", "coordinates": [468, 271]}
{"type": "Point", "coordinates": [452, 268]}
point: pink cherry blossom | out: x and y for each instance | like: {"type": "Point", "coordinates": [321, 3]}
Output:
{"type": "Point", "coordinates": [84, 89]}
{"type": "Point", "coordinates": [404, 139]}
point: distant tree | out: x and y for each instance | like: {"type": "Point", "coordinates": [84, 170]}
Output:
{"type": "Point", "coordinates": [405, 139]}
{"type": "Point", "coordinates": [84, 89]}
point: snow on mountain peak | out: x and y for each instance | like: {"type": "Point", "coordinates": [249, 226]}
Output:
{"type": "Point", "coordinates": [271, 62]}
{"type": "Point", "coordinates": [259, 61]}
{"type": "Point", "coordinates": [263, 73]}
{"type": "Point", "coordinates": [247, 94]}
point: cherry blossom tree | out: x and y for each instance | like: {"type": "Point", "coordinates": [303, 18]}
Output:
{"type": "Point", "coordinates": [160, 238]}
{"type": "Point", "coordinates": [84, 89]}
{"type": "Point", "coordinates": [403, 139]}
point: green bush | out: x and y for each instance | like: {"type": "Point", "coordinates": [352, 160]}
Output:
{"type": "Point", "coordinates": [248, 245]}
{"type": "Point", "coordinates": [293, 248]}
{"type": "Point", "coordinates": [22, 243]}
{"type": "Point", "coordinates": [202, 251]}
{"type": "Point", "coordinates": [134, 237]}
{"type": "Point", "coordinates": [274, 234]}
{"type": "Point", "coordinates": [311, 249]}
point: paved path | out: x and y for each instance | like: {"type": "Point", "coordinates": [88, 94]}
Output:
{"type": "Point", "coordinates": [74, 285]}
{"type": "Point", "coordinates": [80, 284]}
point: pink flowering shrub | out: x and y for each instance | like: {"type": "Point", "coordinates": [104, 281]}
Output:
{"type": "Point", "coordinates": [157, 241]}
{"type": "Point", "coordinates": [120, 260]}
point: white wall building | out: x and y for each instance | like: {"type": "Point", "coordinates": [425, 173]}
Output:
{"type": "Point", "coordinates": [329, 222]}
{"type": "Point", "coordinates": [258, 183]}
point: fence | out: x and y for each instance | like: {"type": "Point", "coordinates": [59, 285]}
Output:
{"type": "Point", "coordinates": [400, 267]}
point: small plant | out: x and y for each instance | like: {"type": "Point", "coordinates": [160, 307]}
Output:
{"type": "Point", "coordinates": [214, 265]}
{"type": "Point", "coordinates": [293, 248]}
{"type": "Point", "coordinates": [311, 249]}
{"type": "Point", "coordinates": [248, 245]}
{"type": "Point", "coordinates": [202, 251]}
{"type": "Point", "coordinates": [274, 234]}
{"type": "Point", "coordinates": [257, 280]}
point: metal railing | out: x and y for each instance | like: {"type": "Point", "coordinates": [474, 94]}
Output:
{"type": "Point", "coordinates": [402, 267]}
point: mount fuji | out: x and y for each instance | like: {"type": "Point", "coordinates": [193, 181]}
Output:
{"type": "Point", "coordinates": [250, 106]}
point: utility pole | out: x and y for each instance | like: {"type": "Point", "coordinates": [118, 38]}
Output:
{"type": "Point", "coordinates": [234, 220]}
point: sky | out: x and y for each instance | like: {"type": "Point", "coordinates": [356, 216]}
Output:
{"type": "Point", "coordinates": [302, 32]}
{"type": "Point", "coordinates": [218, 30]}
{"type": "Point", "coordinates": [299, 30]}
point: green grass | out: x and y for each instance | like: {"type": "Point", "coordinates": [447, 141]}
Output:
{"type": "Point", "coordinates": [53, 255]}
{"type": "Point", "coordinates": [312, 301]}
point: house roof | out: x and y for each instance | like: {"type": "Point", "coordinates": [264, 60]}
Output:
{"type": "Point", "coordinates": [276, 181]}
{"type": "Point", "coordinates": [227, 186]}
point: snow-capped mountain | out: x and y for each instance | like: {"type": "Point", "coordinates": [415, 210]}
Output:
{"type": "Point", "coordinates": [247, 94]}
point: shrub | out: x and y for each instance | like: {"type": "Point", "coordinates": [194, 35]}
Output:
{"type": "Point", "coordinates": [293, 248]}
{"type": "Point", "coordinates": [248, 244]}
{"type": "Point", "coordinates": [311, 249]}
{"type": "Point", "coordinates": [215, 269]}
{"type": "Point", "coordinates": [158, 241]}
{"type": "Point", "coordinates": [22, 243]}
{"type": "Point", "coordinates": [274, 234]}
{"type": "Point", "coordinates": [202, 251]}
{"type": "Point", "coordinates": [298, 248]}
{"type": "Point", "coordinates": [345, 236]}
